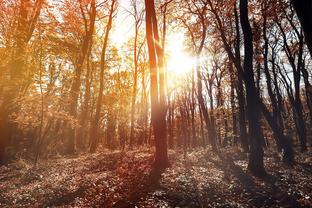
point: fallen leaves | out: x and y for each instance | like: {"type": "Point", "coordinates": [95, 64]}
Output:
{"type": "Point", "coordinates": [123, 179]}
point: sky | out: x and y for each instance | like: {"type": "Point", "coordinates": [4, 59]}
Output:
{"type": "Point", "coordinates": [123, 27]}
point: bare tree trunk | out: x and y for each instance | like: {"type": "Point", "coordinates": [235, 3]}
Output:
{"type": "Point", "coordinates": [138, 20]}
{"type": "Point", "coordinates": [240, 89]}
{"type": "Point", "coordinates": [255, 164]}
{"type": "Point", "coordinates": [308, 89]}
{"type": "Point", "coordinates": [233, 106]}
{"type": "Point", "coordinates": [75, 87]}
{"type": "Point", "coordinates": [158, 110]}
{"type": "Point", "coordinates": [85, 114]}
{"type": "Point", "coordinates": [95, 123]}
{"type": "Point", "coordinates": [303, 9]}
{"type": "Point", "coordinates": [193, 109]}
{"type": "Point", "coordinates": [275, 114]}
{"type": "Point", "coordinates": [278, 134]}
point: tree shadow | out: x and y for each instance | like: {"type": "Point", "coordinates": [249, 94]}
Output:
{"type": "Point", "coordinates": [150, 183]}
{"type": "Point", "coordinates": [259, 196]}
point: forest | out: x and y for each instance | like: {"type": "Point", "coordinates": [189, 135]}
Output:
{"type": "Point", "coordinates": [155, 103]}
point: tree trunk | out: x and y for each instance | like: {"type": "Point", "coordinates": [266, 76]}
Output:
{"type": "Point", "coordinates": [75, 87]}
{"type": "Point", "coordinates": [255, 164]}
{"type": "Point", "coordinates": [85, 114]}
{"type": "Point", "coordinates": [158, 111]}
{"type": "Point", "coordinates": [303, 9]}
{"type": "Point", "coordinates": [240, 88]}
{"type": "Point", "coordinates": [95, 123]}
{"type": "Point", "coordinates": [233, 106]}
{"type": "Point", "coordinates": [135, 79]}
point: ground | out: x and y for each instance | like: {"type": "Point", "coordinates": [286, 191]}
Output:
{"type": "Point", "coordinates": [198, 178]}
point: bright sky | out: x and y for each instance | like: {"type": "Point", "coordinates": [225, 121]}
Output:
{"type": "Point", "coordinates": [123, 24]}
{"type": "Point", "coordinates": [179, 62]}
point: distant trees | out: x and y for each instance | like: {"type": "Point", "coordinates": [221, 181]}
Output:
{"type": "Point", "coordinates": [15, 79]}
{"type": "Point", "coordinates": [251, 68]}
{"type": "Point", "coordinates": [137, 14]}
{"type": "Point", "coordinates": [95, 123]}
{"type": "Point", "coordinates": [89, 21]}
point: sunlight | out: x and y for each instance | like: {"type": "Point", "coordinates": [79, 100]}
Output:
{"type": "Point", "coordinates": [179, 62]}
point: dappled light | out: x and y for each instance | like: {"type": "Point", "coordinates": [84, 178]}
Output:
{"type": "Point", "coordinates": [144, 103]}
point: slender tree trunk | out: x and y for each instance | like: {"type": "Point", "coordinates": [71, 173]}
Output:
{"type": "Point", "coordinates": [280, 106]}
{"type": "Point", "coordinates": [273, 100]}
{"type": "Point", "coordinates": [75, 87]}
{"type": "Point", "coordinates": [95, 123]}
{"type": "Point", "coordinates": [84, 117]}
{"type": "Point", "coordinates": [233, 106]}
{"type": "Point", "coordinates": [193, 109]}
{"type": "Point", "coordinates": [202, 128]}
{"type": "Point", "coordinates": [135, 80]}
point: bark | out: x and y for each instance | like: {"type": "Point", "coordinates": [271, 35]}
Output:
{"type": "Point", "coordinates": [75, 87]}
{"type": "Point", "coordinates": [255, 164]}
{"type": "Point", "coordinates": [138, 20]}
{"type": "Point", "coordinates": [303, 9]}
{"type": "Point", "coordinates": [193, 109]}
{"type": "Point", "coordinates": [240, 89]}
{"type": "Point", "coordinates": [158, 111]}
{"type": "Point", "coordinates": [275, 114]}
{"type": "Point", "coordinates": [288, 152]}
{"type": "Point", "coordinates": [94, 137]}
{"type": "Point", "coordinates": [308, 91]}
{"type": "Point", "coordinates": [85, 114]}
{"type": "Point", "coordinates": [296, 69]}
{"type": "Point", "coordinates": [233, 104]}
{"type": "Point", "coordinates": [201, 101]}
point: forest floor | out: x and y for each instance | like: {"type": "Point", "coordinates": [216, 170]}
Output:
{"type": "Point", "coordinates": [124, 179]}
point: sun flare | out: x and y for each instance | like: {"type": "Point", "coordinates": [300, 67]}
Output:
{"type": "Point", "coordinates": [179, 61]}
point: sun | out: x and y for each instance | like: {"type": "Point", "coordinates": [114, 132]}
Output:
{"type": "Point", "coordinates": [178, 62]}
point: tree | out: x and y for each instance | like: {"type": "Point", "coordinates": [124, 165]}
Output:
{"type": "Point", "coordinates": [75, 86]}
{"type": "Point", "coordinates": [303, 9]}
{"type": "Point", "coordinates": [158, 108]}
{"type": "Point", "coordinates": [94, 137]}
{"type": "Point", "coordinates": [138, 17]}
{"type": "Point", "coordinates": [25, 26]}
{"type": "Point", "coordinates": [255, 164]}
